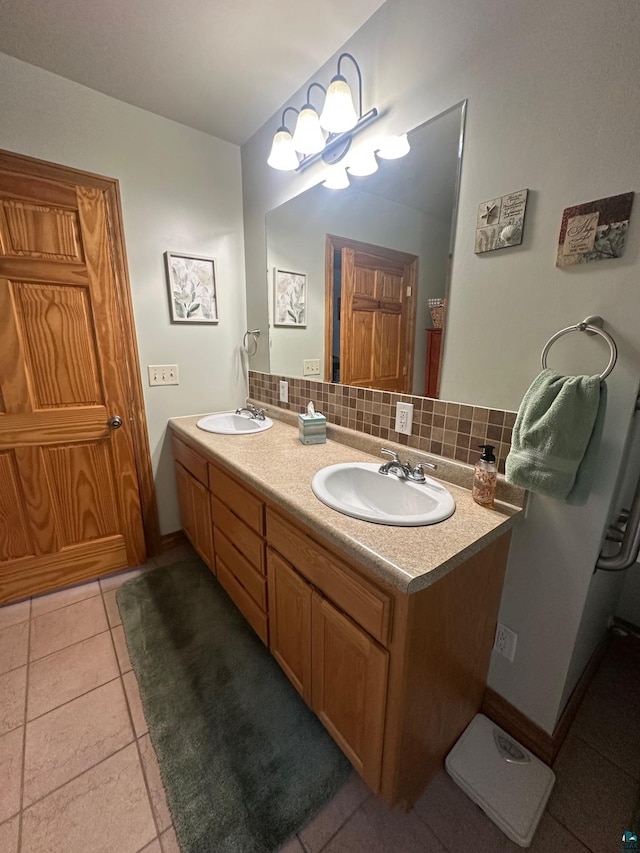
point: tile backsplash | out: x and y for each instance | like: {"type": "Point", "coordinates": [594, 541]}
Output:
{"type": "Point", "coordinates": [452, 430]}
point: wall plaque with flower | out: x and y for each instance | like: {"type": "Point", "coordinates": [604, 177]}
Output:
{"type": "Point", "coordinates": [594, 231]}
{"type": "Point", "coordinates": [192, 288]}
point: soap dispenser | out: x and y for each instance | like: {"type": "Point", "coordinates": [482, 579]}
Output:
{"type": "Point", "coordinates": [485, 477]}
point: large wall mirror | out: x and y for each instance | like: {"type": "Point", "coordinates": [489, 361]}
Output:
{"type": "Point", "coordinates": [358, 267]}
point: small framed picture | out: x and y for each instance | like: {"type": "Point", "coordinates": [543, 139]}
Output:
{"type": "Point", "coordinates": [289, 298]}
{"type": "Point", "coordinates": [192, 288]}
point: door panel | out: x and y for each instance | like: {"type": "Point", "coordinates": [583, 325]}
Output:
{"type": "Point", "coordinates": [62, 377]}
{"type": "Point", "coordinates": [377, 323]}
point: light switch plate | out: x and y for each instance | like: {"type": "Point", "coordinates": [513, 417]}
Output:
{"type": "Point", "coordinates": [311, 367]}
{"type": "Point", "coordinates": [163, 374]}
{"type": "Point", "coordinates": [284, 391]}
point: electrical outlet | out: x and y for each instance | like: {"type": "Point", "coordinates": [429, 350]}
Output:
{"type": "Point", "coordinates": [505, 642]}
{"type": "Point", "coordinates": [404, 418]}
{"type": "Point", "coordinates": [311, 367]}
{"type": "Point", "coordinates": [284, 391]}
{"type": "Point", "coordinates": [163, 374]}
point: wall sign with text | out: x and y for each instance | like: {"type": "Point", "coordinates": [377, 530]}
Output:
{"type": "Point", "coordinates": [500, 222]}
{"type": "Point", "coordinates": [595, 231]}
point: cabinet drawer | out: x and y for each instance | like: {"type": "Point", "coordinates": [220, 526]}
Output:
{"type": "Point", "coordinates": [254, 583]}
{"type": "Point", "coordinates": [363, 602]}
{"type": "Point", "coordinates": [237, 498]}
{"type": "Point", "coordinates": [243, 601]}
{"type": "Point", "coordinates": [191, 460]}
{"type": "Point", "coordinates": [244, 539]}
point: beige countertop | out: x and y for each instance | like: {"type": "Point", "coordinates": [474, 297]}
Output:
{"type": "Point", "coordinates": [277, 464]}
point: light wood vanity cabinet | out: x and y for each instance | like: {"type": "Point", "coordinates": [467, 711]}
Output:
{"type": "Point", "coordinates": [193, 499]}
{"type": "Point", "coordinates": [395, 678]}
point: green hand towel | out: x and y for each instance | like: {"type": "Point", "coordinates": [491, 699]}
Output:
{"type": "Point", "coordinates": [551, 434]}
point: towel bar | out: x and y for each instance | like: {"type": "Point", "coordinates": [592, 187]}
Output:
{"type": "Point", "coordinates": [589, 324]}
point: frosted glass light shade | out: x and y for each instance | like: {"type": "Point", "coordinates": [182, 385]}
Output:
{"type": "Point", "coordinates": [394, 147]}
{"type": "Point", "coordinates": [308, 137]}
{"type": "Point", "coordinates": [337, 178]}
{"type": "Point", "coordinates": [283, 153]}
{"type": "Point", "coordinates": [338, 113]}
{"type": "Point", "coordinates": [364, 163]}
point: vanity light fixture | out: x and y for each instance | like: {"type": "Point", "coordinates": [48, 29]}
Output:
{"type": "Point", "coordinates": [339, 119]}
{"type": "Point", "coordinates": [362, 164]}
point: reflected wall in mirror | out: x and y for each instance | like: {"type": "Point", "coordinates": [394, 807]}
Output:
{"type": "Point", "coordinates": [406, 211]}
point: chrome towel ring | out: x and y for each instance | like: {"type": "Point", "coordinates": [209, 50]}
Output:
{"type": "Point", "coordinates": [593, 325]}
{"type": "Point", "coordinates": [252, 334]}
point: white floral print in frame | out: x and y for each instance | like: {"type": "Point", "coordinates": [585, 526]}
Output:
{"type": "Point", "coordinates": [192, 288]}
{"type": "Point", "coordinates": [289, 298]}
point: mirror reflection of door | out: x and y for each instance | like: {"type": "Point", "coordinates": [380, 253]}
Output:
{"type": "Point", "coordinates": [369, 315]}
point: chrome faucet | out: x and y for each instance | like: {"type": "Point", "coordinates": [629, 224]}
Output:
{"type": "Point", "coordinates": [256, 414]}
{"type": "Point", "coordinates": [406, 471]}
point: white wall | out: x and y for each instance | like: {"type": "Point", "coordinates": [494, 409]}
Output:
{"type": "Point", "coordinates": [181, 191]}
{"type": "Point", "coordinates": [548, 88]}
{"type": "Point", "coordinates": [296, 241]}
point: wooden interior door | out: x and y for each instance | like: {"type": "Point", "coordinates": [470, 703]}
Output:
{"type": "Point", "coordinates": [70, 505]}
{"type": "Point", "coordinates": [349, 687]}
{"type": "Point", "coordinates": [377, 320]}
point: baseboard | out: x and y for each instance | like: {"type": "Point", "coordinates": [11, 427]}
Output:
{"type": "Point", "coordinates": [172, 540]}
{"type": "Point", "coordinates": [546, 746]}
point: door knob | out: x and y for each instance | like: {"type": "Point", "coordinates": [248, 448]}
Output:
{"type": "Point", "coordinates": [115, 422]}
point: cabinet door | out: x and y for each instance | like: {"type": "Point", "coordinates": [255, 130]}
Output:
{"type": "Point", "coordinates": [290, 623]}
{"type": "Point", "coordinates": [349, 687]}
{"type": "Point", "coordinates": [195, 514]}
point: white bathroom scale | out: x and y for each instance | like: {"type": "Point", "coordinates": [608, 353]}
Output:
{"type": "Point", "coordinates": [509, 784]}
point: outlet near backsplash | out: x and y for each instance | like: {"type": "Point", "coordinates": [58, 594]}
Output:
{"type": "Point", "coordinates": [452, 430]}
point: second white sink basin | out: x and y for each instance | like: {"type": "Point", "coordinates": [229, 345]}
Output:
{"type": "Point", "coordinates": [359, 490]}
{"type": "Point", "coordinates": [228, 423]}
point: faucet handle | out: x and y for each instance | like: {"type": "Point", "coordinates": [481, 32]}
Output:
{"type": "Point", "coordinates": [392, 454]}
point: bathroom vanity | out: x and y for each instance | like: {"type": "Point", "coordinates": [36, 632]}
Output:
{"type": "Point", "coordinates": [385, 632]}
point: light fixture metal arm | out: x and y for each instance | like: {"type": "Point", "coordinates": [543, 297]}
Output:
{"type": "Point", "coordinates": [319, 86]}
{"type": "Point", "coordinates": [284, 112]}
{"type": "Point", "coordinates": [352, 58]}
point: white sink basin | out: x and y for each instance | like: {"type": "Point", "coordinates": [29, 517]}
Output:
{"type": "Point", "coordinates": [228, 423]}
{"type": "Point", "coordinates": [359, 490]}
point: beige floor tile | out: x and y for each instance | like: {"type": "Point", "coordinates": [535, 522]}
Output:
{"type": "Point", "coordinates": [169, 841]}
{"type": "Point", "coordinates": [592, 797]}
{"type": "Point", "coordinates": [71, 739]}
{"type": "Point", "coordinates": [13, 687]}
{"type": "Point", "coordinates": [551, 837]}
{"type": "Point", "coordinates": [376, 829]}
{"type": "Point", "coordinates": [12, 614]}
{"type": "Point", "coordinates": [69, 673]}
{"type": "Point", "coordinates": [327, 822]}
{"type": "Point", "coordinates": [63, 597]}
{"type": "Point", "coordinates": [111, 606]}
{"type": "Point", "coordinates": [62, 628]}
{"type": "Point", "coordinates": [154, 847]}
{"type": "Point", "coordinates": [106, 810]}
{"type": "Point", "coordinates": [154, 782]}
{"type": "Point", "coordinates": [109, 582]}
{"type": "Point", "coordinates": [14, 646]}
{"type": "Point", "coordinates": [122, 652]}
{"type": "Point", "coordinates": [9, 835]}
{"type": "Point", "coordinates": [135, 703]}
{"type": "Point", "coordinates": [10, 773]}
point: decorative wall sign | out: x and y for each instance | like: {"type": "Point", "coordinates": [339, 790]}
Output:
{"type": "Point", "coordinates": [500, 222]}
{"type": "Point", "coordinates": [192, 288]}
{"type": "Point", "coordinates": [289, 298]}
{"type": "Point", "coordinates": [594, 231]}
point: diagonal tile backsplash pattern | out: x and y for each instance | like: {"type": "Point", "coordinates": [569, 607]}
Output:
{"type": "Point", "coordinates": [452, 430]}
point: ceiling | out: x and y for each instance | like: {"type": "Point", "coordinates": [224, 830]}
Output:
{"type": "Point", "coordinates": [220, 66]}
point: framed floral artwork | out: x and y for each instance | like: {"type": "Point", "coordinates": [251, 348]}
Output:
{"type": "Point", "coordinates": [289, 298]}
{"type": "Point", "coordinates": [192, 288]}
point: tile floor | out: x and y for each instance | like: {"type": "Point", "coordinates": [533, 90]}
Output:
{"type": "Point", "coordinates": [78, 773]}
